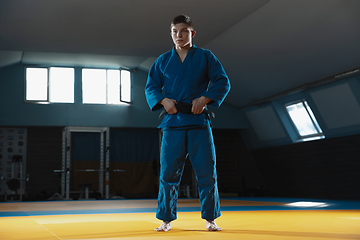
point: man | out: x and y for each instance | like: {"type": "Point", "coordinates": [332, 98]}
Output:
{"type": "Point", "coordinates": [182, 82]}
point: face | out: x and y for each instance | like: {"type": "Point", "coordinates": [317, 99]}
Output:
{"type": "Point", "coordinates": [182, 35]}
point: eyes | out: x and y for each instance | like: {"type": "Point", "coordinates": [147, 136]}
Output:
{"type": "Point", "coordinates": [182, 31]}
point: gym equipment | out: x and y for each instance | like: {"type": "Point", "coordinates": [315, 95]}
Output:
{"type": "Point", "coordinates": [15, 182]}
{"type": "Point", "coordinates": [85, 186]}
{"type": "Point", "coordinates": [104, 166]}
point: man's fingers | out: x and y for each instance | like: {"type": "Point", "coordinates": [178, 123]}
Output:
{"type": "Point", "coordinates": [172, 111]}
{"type": "Point", "coordinates": [172, 108]}
{"type": "Point", "coordinates": [197, 106]}
{"type": "Point", "coordinates": [197, 110]}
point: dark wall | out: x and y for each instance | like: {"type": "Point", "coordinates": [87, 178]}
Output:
{"type": "Point", "coordinates": [326, 169]}
{"type": "Point", "coordinates": [237, 172]}
{"type": "Point", "coordinates": [135, 148]}
{"type": "Point", "coordinates": [44, 155]}
{"type": "Point", "coordinates": [323, 169]}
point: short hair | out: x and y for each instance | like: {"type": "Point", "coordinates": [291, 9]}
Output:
{"type": "Point", "coordinates": [182, 19]}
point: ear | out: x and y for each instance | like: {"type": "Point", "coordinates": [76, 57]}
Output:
{"type": "Point", "coordinates": [193, 32]}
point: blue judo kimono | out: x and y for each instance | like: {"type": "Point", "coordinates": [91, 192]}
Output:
{"type": "Point", "coordinates": [200, 74]}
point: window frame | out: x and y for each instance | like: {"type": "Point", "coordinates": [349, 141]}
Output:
{"type": "Point", "coordinates": [131, 86]}
{"type": "Point", "coordinates": [121, 102]}
{"type": "Point", "coordinates": [316, 125]}
{"type": "Point", "coordinates": [47, 101]}
{"type": "Point", "coordinates": [48, 97]}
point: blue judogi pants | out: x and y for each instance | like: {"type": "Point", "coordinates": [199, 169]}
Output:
{"type": "Point", "coordinates": [198, 144]}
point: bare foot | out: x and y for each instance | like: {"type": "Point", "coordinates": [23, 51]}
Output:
{"type": "Point", "coordinates": [211, 226]}
{"type": "Point", "coordinates": [164, 227]}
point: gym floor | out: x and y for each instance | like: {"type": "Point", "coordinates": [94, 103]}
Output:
{"type": "Point", "coordinates": [242, 218]}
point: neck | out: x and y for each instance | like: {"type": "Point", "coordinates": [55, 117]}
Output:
{"type": "Point", "coordinates": [182, 52]}
{"type": "Point", "coordinates": [183, 49]}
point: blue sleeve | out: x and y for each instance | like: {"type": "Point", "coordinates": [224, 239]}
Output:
{"type": "Point", "coordinates": [220, 84]}
{"type": "Point", "coordinates": [154, 85]}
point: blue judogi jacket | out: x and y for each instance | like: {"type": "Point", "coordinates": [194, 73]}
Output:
{"type": "Point", "coordinates": [200, 74]}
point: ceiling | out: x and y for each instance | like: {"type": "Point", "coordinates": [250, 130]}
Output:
{"type": "Point", "coordinates": [267, 47]}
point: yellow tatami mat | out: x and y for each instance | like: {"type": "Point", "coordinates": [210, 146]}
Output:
{"type": "Point", "coordinates": [268, 224]}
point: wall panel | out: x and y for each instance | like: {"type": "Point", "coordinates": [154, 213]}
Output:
{"type": "Point", "coordinates": [327, 168]}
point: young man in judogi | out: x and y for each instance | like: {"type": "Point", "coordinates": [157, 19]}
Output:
{"type": "Point", "coordinates": [183, 82]}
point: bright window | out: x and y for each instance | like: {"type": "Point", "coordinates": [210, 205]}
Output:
{"type": "Point", "coordinates": [113, 86]}
{"type": "Point", "coordinates": [125, 86]}
{"type": "Point", "coordinates": [53, 85]}
{"type": "Point", "coordinates": [37, 84]}
{"type": "Point", "coordinates": [304, 120]}
{"type": "Point", "coordinates": [94, 86]}
{"type": "Point", "coordinates": [101, 86]}
{"type": "Point", "coordinates": [61, 87]}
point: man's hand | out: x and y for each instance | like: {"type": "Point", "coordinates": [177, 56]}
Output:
{"type": "Point", "coordinates": [199, 104]}
{"type": "Point", "coordinates": [169, 105]}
